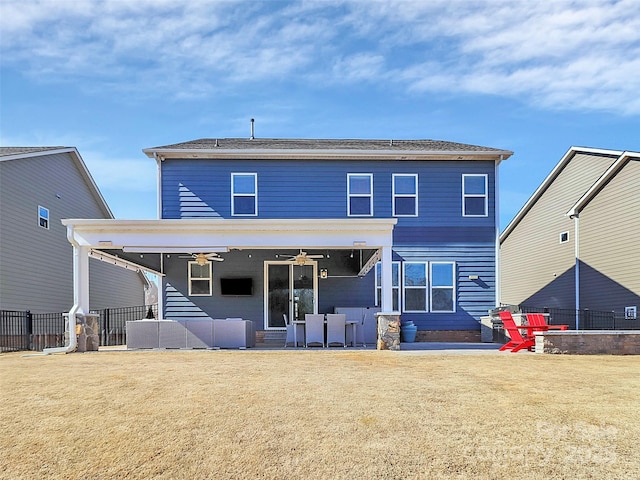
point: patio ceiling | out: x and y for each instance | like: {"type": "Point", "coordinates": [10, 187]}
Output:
{"type": "Point", "coordinates": [141, 241]}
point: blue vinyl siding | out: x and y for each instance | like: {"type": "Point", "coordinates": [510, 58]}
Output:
{"type": "Point", "coordinates": [194, 188]}
{"type": "Point", "coordinates": [473, 297]}
{"type": "Point", "coordinates": [318, 189]}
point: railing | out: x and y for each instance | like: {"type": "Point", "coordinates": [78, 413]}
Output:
{"type": "Point", "coordinates": [585, 319]}
{"type": "Point", "coordinates": [23, 330]}
{"type": "Point", "coordinates": [113, 322]}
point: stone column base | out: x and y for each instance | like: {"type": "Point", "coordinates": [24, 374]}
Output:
{"type": "Point", "coordinates": [87, 332]}
{"type": "Point", "coordinates": [388, 330]}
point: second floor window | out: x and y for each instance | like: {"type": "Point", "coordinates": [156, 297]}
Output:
{"type": "Point", "coordinates": [43, 217]}
{"type": "Point", "coordinates": [244, 194]}
{"type": "Point", "coordinates": [405, 195]}
{"type": "Point", "coordinates": [474, 196]}
{"type": "Point", "coordinates": [359, 194]}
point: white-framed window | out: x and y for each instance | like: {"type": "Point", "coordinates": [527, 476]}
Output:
{"type": "Point", "coordinates": [200, 279]}
{"type": "Point", "coordinates": [43, 217]}
{"type": "Point", "coordinates": [474, 195]}
{"type": "Point", "coordinates": [359, 194]}
{"type": "Point", "coordinates": [395, 283]}
{"type": "Point", "coordinates": [443, 292]}
{"type": "Point", "coordinates": [421, 286]}
{"type": "Point", "coordinates": [564, 237]}
{"type": "Point", "coordinates": [405, 195]}
{"type": "Point", "coordinates": [415, 286]}
{"type": "Point", "coordinates": [244, 194]}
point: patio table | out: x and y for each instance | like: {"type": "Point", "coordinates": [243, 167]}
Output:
{"type": "Point", "coordinates": [348, 323]}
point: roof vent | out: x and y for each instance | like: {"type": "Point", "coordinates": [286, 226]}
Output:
{"type": "Point", "coordinates": [252, 129]}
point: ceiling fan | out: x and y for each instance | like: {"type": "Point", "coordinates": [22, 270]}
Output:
{"type": "Point", "coordinates": [203, 258]}
{"type": "Point", "coordinates": [302, 257]}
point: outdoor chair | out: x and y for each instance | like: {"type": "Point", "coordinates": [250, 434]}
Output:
{"type": "Point", "coordinates": [360, 337]}
{"type": "Point", "coordinates": [538, 320]}
{"type": "Point", "coordinates": [314, 329]}
{"type": "Point", "coordinates": [291, 328]}
{"type": "Point", "coordinates": [518, 340]}
{"type": "Point", "coordinates": [336, 323]}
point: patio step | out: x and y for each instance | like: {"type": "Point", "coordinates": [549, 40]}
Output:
{"type": "Point", "coordinates": [272, 338]}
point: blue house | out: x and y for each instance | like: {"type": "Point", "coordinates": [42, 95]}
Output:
{"type": "Point", "coordinates": [261, 228]}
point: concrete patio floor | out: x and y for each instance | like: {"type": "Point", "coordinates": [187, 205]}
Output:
{"type": "Point", "coordinates": [460, 348]}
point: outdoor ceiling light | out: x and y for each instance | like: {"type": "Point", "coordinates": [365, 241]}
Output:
{"type": "Point", "coordinates": [201, 259]}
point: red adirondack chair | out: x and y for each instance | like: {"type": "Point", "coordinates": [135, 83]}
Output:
{"type": "Point", "coordinates": [518, 340]}
{"type": "Point", "coordinates": [538, 320]}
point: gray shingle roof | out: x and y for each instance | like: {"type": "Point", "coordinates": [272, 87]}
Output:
{"type": "Point", "coordinates": [325, 144]}
{"type": "Point", "coordinates": [6, 151]}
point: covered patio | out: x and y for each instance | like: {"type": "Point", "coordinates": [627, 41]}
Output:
{"type": "Point", "coordinates": [149, 245]}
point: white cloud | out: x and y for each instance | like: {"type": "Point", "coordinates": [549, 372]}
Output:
{"type": "Point", "coordinates": [557, 54]}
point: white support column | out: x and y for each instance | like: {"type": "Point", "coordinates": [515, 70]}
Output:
{"type": "Point", "coordinates": [386, 283]}
{"type": "Point", "coordinates": [576, 241]}
{"type": "Point", "coordinates": [81, 278]}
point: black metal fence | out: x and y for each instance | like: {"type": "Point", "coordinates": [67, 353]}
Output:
{"type": "Point", "coordinates": [584, 319]}
{"type": "Point", "coordinates": [23, 330]}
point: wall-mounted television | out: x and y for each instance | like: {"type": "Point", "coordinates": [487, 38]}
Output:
{"type": "Point", "coordinates": [239, 287]}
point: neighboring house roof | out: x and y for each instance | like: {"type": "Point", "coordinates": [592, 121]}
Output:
{"type": "Point", "coordinates": [326, 148]}
{"type": "Point", "coordinates": [19, 153]}
{"type": "Point", "coordinates": [23, 151]}
{"type": "Point", "coordinates": [606, 177]}
{"type": "Point", "coordinates": [550, 179]}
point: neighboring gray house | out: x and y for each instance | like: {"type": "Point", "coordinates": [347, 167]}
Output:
{"type": "Point", "coordinates": [39, 186]}
{"type": "Point", "coordinates": [579, 232]}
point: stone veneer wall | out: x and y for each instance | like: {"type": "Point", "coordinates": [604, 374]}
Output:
{"type": "Point", "coordinates": [448, 336]}
{"type": "Point", "coordinates": [87, 332]}
{"type": "Point", "coordinates": [388, 331]}
{"type": "Point", "coordinates": [590, 342]}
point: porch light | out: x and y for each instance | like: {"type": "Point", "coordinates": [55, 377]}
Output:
{"type": "Point", "coordinates": [324, 273]}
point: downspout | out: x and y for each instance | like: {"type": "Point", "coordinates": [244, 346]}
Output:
{"type": "Point", "coordinates": [576, 240]}
{"type": "Point", "coordinates": [159, 215]}
{"type": "Point", "coordinates": [73, 338]}
{"type": "Point", "coordinates": [496, 202]}
{"type": "Point", "coordinates": [158, 185]}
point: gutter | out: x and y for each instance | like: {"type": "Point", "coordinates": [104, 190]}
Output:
{"type": "Point", "coordinates": [325, 154]}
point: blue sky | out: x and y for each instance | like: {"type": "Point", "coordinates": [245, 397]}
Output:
{"type": "Point", "coordinates": [114, 77]}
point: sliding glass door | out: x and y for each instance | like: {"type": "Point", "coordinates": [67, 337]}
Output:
{"type": "Point", "coordinates": [291, 290]}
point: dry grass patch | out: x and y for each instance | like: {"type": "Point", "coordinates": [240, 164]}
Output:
{"type": "Point", "coordinates": [318, 414]}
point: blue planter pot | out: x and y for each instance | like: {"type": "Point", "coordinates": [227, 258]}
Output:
{"type": "Point", "coordinates": [408, 333]}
